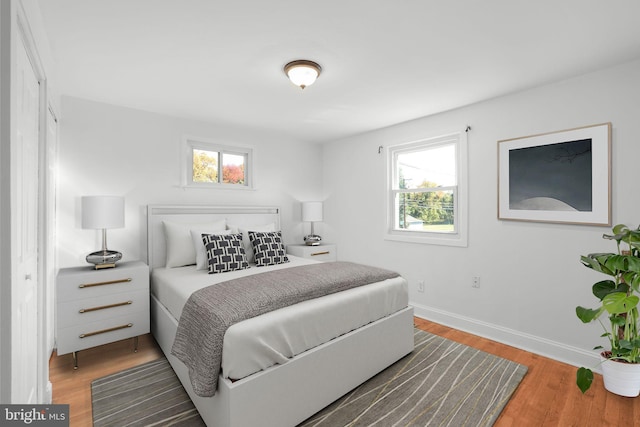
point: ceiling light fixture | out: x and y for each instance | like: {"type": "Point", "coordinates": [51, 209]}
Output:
{"type": "Point", "coordinates": [302, 72]}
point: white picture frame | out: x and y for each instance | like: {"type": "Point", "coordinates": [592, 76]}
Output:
{"type": "Point", "coordinates": [557, 177]}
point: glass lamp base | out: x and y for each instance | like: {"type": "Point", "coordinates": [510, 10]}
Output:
{"type": "Point", "coordinates": [312, 240]}
{"type": "Point", "coordinates": [104, 258]}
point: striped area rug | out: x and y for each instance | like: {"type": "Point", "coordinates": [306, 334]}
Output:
{"type": "Point", "coordinates": [146, 395]}
{"type": "Point", "coordinates": [441, 383]}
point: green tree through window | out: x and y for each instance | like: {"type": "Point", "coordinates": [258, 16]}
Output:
{"type": "Point", "coordinates": [205, 166]}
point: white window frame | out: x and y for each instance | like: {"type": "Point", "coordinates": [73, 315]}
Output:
{"type": "Point", "coordinates": [190, 143]}
{"type": "Point", "coordinates": [459, 237]}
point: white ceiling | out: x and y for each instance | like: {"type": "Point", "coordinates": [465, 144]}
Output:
{"type": "Point", "coordinates": [384, 61]}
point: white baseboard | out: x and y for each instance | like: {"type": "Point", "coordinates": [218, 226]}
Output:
{"type": "Point", "coordinates": [531, 343]}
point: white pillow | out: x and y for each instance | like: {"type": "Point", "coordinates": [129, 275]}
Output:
{"type": "Point", "coordinates": [248, 248]}
{"type": "Point", "coordinates": [198, 245]}
{"type": "Point", "coordinates": [180, 250]}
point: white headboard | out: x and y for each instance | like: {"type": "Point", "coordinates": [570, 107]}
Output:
{"type": "Point", "coordinates": [237, 215]}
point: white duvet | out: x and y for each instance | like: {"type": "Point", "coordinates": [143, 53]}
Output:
{"type": "Point", "coordinates": [275, 337]}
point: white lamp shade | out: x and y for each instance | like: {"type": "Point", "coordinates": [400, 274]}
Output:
{"type": "Point", "coordinates": [102, 212]}
{"type": "Point", "coordinates": [311, 211]}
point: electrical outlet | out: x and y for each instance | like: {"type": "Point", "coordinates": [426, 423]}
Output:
{"type": "Point", "coordinates": [475, 282]}
{"type": "Point", "coordinates": [420, 285]}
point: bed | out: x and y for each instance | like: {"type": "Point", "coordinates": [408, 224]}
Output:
{"type": "Point", "coordinates": [296, 377]}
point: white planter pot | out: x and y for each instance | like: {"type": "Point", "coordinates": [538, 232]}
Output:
{"type": "Point", "coordinates": [621, 378]}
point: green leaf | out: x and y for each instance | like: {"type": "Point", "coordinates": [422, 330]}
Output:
{"type": "Point", "coordinates": [587, 315]}
{"type": "Point", "coordinates": [634, 238]}
{"type": "Point", "coordinates": [617, 320]}
{"type": "Point", "coordinates": [628, 345]}
{"type": "Point", "coordinates": [604, 262]}
{"type": "Point", "coordinates": [603, 288]}
{"type": "Point", "coordinates": [596, 262]}
{"type": "Point", "coordinates": [620, 232]}
{"type": "Point", "coordinates": [633, 264]}
{"type": "Point", "coordinates": [584, 378]}
{"type": "Point", "coordinates": [621, 352]}
{"type": "Point", "coordinates": [628, 277]}
{"type": "Point", "coordinates": [619, 302]}
{"type": "Point", "coordinates": [616, 263]}
{"type": "Point", "coordinates": [634, 282]}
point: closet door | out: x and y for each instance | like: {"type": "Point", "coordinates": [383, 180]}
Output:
{"type": "Point", "coordinates": [24, 207]}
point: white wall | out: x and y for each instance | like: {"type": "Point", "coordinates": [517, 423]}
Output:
{"type": "Point", "coordinates": [531, 277]}
{"type": "Point", "coordinates": [105, 149]}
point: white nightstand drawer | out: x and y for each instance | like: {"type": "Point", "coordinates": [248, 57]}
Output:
{"type": "Point", "coordinates": [81, 311]}
{"type": "Point", "coordinates": [83, 336]}
{"type": "Point", "coordinates": [325, 253]}
{"type": "Point", "coordinates": [83, 282]}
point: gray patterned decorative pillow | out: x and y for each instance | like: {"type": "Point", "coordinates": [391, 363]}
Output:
{"type": "Point", "coordinates": [268, 248]}
{"type": "Point", "coordinates": [224, 252]}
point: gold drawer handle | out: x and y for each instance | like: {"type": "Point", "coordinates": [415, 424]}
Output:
{"type": "Point", "coordinates": [102, 307]}
{"type": "Point", "coordinates": [320, 253]}
{"type": "Point", "coordinates": [110, 282]}
{"type": "Point", "coordinates": [89, 334]}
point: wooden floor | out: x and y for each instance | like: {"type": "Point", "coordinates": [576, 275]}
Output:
{"type": "Point", "coordinates": [547, 395]}
{"type": "Point", "coordinates": [73, 387]}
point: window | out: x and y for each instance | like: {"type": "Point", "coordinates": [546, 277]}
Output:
{"type": "Point", "coordinates": [211, 165]}
{"type": "Point", "coordinates": [427, 194]}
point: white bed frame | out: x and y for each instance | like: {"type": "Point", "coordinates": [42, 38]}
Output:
{"type": "Point", "coordinates": [283, 395]}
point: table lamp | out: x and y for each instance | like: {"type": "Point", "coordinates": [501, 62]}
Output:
{"type": "Point", "coordinates": [102, 213]}
{"type": "Point", "coordinates": [312, 212]}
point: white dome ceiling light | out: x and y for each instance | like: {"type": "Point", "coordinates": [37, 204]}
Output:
{"type": "Point", "coordinates": [302, 72]}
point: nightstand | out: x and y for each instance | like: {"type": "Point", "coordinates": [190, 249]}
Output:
{"type": "Point", "coordinates": [324, 252]}
{"type": "Point", "coordinates": [96, 307]}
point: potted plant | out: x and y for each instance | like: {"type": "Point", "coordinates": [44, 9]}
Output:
{"type": "Point", "coordinates": [619, 299]}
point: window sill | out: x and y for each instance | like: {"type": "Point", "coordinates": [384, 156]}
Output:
{"type": "Point", "coordinates": [427, 239]}
{"type": "Point", "coordinates": [216, 187]}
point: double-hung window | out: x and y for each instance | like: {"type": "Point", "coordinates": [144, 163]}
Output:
{"type": "Point", "coordinates": [427, 191]}
{"type": "Point", "coordinates": [208, 164]}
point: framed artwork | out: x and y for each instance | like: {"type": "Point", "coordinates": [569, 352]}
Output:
{"type": "Point", "coordinates": [560, 177]}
